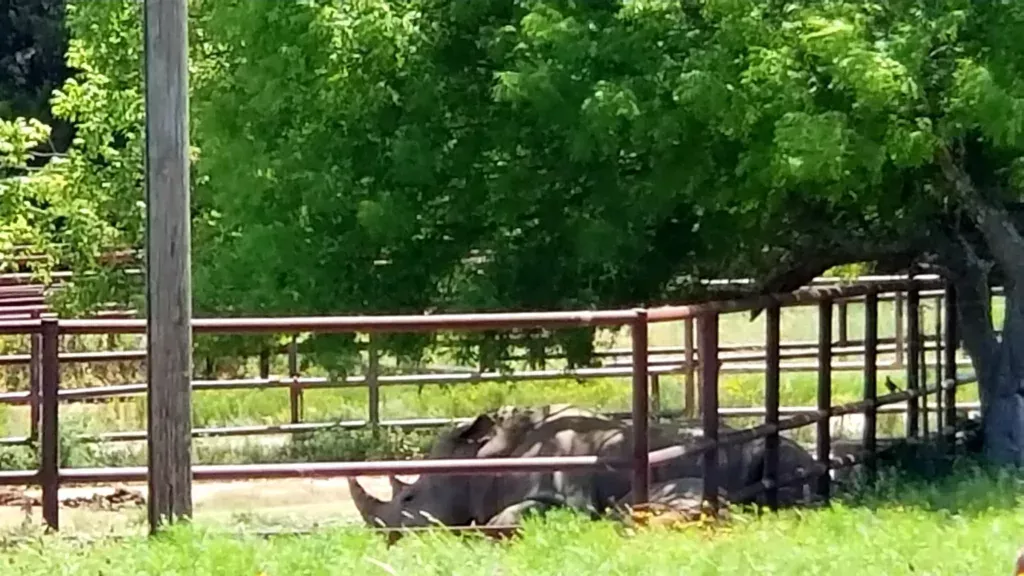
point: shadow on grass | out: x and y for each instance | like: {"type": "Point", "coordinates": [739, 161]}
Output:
{"type": "Point", "coordinates": [930, 479]}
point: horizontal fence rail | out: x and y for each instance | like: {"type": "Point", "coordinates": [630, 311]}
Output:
{"type": "Point", "coordinates": [644, 370]}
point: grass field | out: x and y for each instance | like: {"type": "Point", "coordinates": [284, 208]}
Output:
{"type": "Point", "coordinates": [972, 523]}
{"type": "Point", "coordinates": [248, 407]}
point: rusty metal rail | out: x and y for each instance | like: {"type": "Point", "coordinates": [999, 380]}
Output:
{"type": "Point", "coordinates": [214, 473]}
{"type": "Point", "coordinates": [806, 413]}
{"type": "Point", "coordinates": [298, 384]}
{"type": "Point", "coordinates": [734, 353]}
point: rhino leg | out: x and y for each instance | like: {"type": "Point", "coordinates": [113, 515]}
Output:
{"type": "Point", "coordinates": [513, 515]}
{"type": "Point", "coordinates": [678, 493]}
{"type": "Point", "coordinates": [793, 459]}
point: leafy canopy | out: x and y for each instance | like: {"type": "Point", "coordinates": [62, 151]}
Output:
{"type": "Point", "coordinates": [411, 155]}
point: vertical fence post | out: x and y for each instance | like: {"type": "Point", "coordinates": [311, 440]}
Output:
{"type": "Point", "coordinates": [34, 377]}
{"type": "Point", "coordinates": [294, 390]}
{"type": "Point", "coordinates": [655, 395]}
{"type": "Point", "coordinates": [707, 334]}
{"type": "Point", "coordinates": [898, 313]}
{"type": "Point", "coordinates": [49, 457]}
{"type": "Point", "coordinates": [373, 384]}
{"type": "Point", "coordinates": [950, 345]}
{"type": "Point", "coordinates": [922, 352]}
{"type": "Point", "coordinates": [264, 364]}
{"type": "Point", "coordinates": [168, 274]}
{"type": "Point", "coordinates": [689, 390]}
{"type": "Point", "coordinates": [842, 337]}
{"type": "Point", "coordinates": [823, 441]}
{"type": "Point", "coordinates": [939, 414]}
{"type": "Point", "coordinates": [641, 458]}
{"type": "Point", "coordinates": [871, 381]}
{"type": "Point", "coordinates": [913, 358]}
{"type": "Point", "coordinates": [771, 406]}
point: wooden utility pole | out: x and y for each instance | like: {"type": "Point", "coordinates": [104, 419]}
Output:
{"type": "Point", "coordinates": [168, 262]}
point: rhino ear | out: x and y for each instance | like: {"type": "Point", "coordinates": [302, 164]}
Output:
{"type": "Point", "coordinates": [397, 485]}
{"type": "Point", "coordinates": [478, 428]}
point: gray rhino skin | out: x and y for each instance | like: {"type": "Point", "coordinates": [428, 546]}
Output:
{"type": "Point", "coordinates": [555, 430]}
{"type": "Point", "coordinates": [739, 466]}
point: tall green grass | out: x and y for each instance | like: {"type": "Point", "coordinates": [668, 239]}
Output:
{"type": "Point", "coordinates": [972, 523]}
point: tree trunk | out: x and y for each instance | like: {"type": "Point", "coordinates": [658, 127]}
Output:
{"type": "Point", "coordinates": [998, 362]}
{"type": "Point", "coordinates": [1000, 369]}
{"type": "Point", "coordinates": [1003, 410]}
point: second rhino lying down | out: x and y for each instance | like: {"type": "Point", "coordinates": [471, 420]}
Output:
{"type": "Point", "coordinates": [559, 430]}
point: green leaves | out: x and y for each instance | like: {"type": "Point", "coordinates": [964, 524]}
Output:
{"type": "Point", "coordinates": [18, 138]}
{"type": "Point", "coordinates": [399, 156]}
{"type": "Point", "coordinates": [20, 220]}
{"type": "Point", "coordinates": [911, 144]}
{"type": "Point", "coordinates": [811, 148]}
{"type": "Point", "coordinates": [979, 99]}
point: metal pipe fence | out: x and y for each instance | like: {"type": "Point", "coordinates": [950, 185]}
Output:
{"type": "Point", "coordinates": [705, 316]}
{"type": "Point", "coordinates": [744, 358]}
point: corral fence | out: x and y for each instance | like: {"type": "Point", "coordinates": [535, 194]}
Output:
{"type": "Point", "coordinates": [50, 476]}
{"type": "Point", "coordinates": [681, 360]}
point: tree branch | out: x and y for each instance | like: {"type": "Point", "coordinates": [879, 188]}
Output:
{"type": "Point", "coordinates": [992, 220]}
{"type": "Point", "coordinates": [970, 274]}
{"type": "Point", "coordinates": [818, 253]}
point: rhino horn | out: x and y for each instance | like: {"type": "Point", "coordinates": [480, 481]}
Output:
{"type": "Point", "coordinates": [369, 507]}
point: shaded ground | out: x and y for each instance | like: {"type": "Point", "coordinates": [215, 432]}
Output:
{"type": "Point", "coordinates": [258, 504]}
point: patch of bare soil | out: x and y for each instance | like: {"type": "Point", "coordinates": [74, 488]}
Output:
{"type": "Point", "coordinates": [292, 503]}
{"type": "Point", "coordinates": [118, 497]}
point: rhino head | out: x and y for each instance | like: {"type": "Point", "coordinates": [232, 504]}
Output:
{"type": "Point", "coordinates": [459, 500]}
{"type": "Point", "coordinates": [432, 498]}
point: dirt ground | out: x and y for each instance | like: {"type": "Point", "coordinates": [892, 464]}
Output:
{"type": "Point", "coordinates": [258, 504]}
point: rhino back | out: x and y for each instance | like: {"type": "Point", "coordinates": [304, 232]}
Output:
{"type": "Point", "coordinates": [514, 426]}
{"type": "Point", "coordinates": [564, 433]}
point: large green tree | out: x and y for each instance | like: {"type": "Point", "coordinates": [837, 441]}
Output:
{"type": "Point", "coordinates": [411, 155]}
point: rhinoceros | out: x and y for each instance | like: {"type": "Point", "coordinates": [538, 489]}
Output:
{"type": "Point", "coordinates": [556, 430]}
{"type": "Point", "coordinates": [739, 466]}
